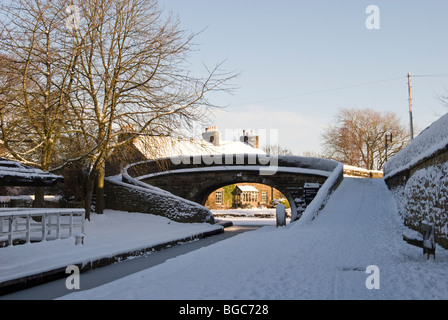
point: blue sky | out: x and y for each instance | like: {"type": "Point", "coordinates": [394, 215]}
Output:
{"type": "Point", "coordinates": [301, 61]}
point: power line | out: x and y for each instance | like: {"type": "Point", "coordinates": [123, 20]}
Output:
{"type": "Point", "coordinates": [319, 91]}
{"type": "Point", "coordinates": [340, 88]}
{"type": "Point", "coordinates": [431, 75]}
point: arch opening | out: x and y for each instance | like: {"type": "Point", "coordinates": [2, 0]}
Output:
{"type": "Point", "coordinates": [245, 199]}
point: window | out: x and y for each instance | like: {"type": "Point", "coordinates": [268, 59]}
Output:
{"type": "Point", "coordinates": [219, 197]}
{"type": "Point", "coordinates": [250, 196]}
{"type": "Point", "coordinates": [264, 197]}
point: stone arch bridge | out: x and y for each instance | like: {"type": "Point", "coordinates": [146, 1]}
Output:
{"type": "Point", "coordinates": [194, 178]}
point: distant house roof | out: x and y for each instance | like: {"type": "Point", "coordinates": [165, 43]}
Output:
{"type": "Point", "coordinates": [13, 173]}
{"type": "Point", "coordinates": [247, 188]}
{"type": "Point", "coordinates": [164, 147]}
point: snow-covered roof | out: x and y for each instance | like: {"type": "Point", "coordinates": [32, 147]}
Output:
{"type": "Point", "coordinates": [165, 147]}
{"type": "Point", "coordinates": [247, 188]}
{"type": "Point", "coordinates": [13, 173]}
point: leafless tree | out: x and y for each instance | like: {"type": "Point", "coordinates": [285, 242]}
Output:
{"type": "Point", "coordinates": [358, 137]}
{"type": "Point", "coordinates": [444, 99]}
{"type": "Point", "coordinates": [277, 150]}
{"type": "Point", "coordinates": [35, 110]}
{"type": "Point", "coordinates": [132, 73]}
{"type": "Point", "coordinates": [92, 69]}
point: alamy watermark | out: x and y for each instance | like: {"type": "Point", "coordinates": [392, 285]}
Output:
{"type": "Point", "coordinates": [373, 280]}
{"type": "Point", "coordinates": [73, 280]}
{"type": "Point", "coordinates": [73, 20]}
{"type": "Point", "coordinates": [373, 20]}
{"type": "Point", "coordinates": [267, 163]}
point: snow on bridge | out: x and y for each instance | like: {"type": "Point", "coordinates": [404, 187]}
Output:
{"type": "Point", "coordinates": [195, 177]}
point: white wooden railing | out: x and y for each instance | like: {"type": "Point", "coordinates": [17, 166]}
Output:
{"type": "Point", "coordinates": [39, 224]}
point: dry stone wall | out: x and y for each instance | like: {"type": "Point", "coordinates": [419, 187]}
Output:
{"type": "Point", "coordinates": [421, 191]}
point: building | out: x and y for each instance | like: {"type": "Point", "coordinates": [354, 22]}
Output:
{"type": "Point", "coordinates": [244, 195]}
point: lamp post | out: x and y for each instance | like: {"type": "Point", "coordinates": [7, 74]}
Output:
{"type": "Point", "coordinates": [410, 106]}
{"type": "Point", "coordinates": [388, 140]}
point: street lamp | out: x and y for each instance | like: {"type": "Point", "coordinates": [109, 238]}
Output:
{"type": "Point", "coordinates": [388, 140]}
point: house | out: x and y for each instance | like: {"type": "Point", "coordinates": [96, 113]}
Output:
{"type": "Point", "coordinates": [244, 195]}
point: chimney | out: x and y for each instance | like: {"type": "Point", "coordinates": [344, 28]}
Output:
{"type": "Point", "coordinates": [249, 137]}
{"type": "Point", "coordinates": [211, 135]}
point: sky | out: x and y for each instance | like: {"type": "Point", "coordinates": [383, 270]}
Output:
{"type": "Point", "coordinates": [300, 62]}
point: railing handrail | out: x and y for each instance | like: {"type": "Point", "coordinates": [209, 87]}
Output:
{"type": "Point", "coordinates": [12, 215]}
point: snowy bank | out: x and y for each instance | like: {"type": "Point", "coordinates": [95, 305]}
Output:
{"type": "Point", "coordinates": [325, 259]}
{"type": "Point", "coordinates": [108, 235]}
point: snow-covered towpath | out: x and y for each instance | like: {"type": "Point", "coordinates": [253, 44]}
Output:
{"type": "Point", "coordinates": [323, 259]}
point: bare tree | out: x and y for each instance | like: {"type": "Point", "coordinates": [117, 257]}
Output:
{"type": "Point", "coordinates": [358, 137]}
{"type": "Point", "coordinates": [444, 99]}
{"type": "Point", "coordinates": [33, 118]}
{"type": "Point", "coordinates": [278, 150]}
{"type": "Point", "coordinates": [91, 69]}
{"type": "Point", "coordinates": [132, 74]}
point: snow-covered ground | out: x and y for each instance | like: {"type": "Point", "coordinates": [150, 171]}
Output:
{"type": "Point", "coordinates": [324, 258]}
{"type": "Point", "coordinates": [107, 235]}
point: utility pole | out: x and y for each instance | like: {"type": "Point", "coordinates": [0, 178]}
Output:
{"type": "Point", "coordinates": [410, 107]}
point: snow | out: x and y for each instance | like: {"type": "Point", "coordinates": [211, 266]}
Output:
{"type": "Point", "coordinates": [265, 214]}
{"type": "Point", "coordinates": [424, 197]}
{"type": "Point", "coordinates": [322, 258]}
{"type": "Point", "coordinates": [323, 194]}
{"type": "Point", "coordinates": [272, 170]}
{"type": "Point", "coordinates": [106, 235]}
{"type": "Point", "coordinates": [432, 139]}
{"type": "Point", "coordinates": [166, 147]}
{"type": "Point", "coordinates": [247, 188]}
{"type": "Point", "coordinates": [9, 168]}
{"type": "Point", "coordinates": [176, 206]}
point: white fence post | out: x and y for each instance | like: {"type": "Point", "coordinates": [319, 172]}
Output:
{"type": "Point", "coordinates": [71, 225]}
{"type": "Point", "coordinates": [44, 227]}
{"type": "Point", "coordinates": [58, 228]}
{"type": "Point", "coordinates": [11, 231]}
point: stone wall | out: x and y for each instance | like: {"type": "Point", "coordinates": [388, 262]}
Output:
{"type": "Point", "coordinates": [421, 191]}
{"type": "Point", "coordinates": [126, 197]}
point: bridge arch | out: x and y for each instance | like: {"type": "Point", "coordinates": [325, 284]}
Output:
{"type": "Point", "coordinates": [195, 178]}
{"type": "Point", "coordinates": [200, 195]}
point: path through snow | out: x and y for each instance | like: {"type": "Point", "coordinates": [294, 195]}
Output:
{"type": "Point", "coordinates": [323, 259]}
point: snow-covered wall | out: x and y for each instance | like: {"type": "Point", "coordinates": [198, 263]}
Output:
{"type": "Point", "coordinates": [418, 178]}
{"type": "Point", "coordinates": [428, 143]}
{"type": "Point", "coordinates": [424, 197]}
{"type": "Point", "coordinates": [324, 194]}
{"type": "Point", "coordinates": [127, 197]}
